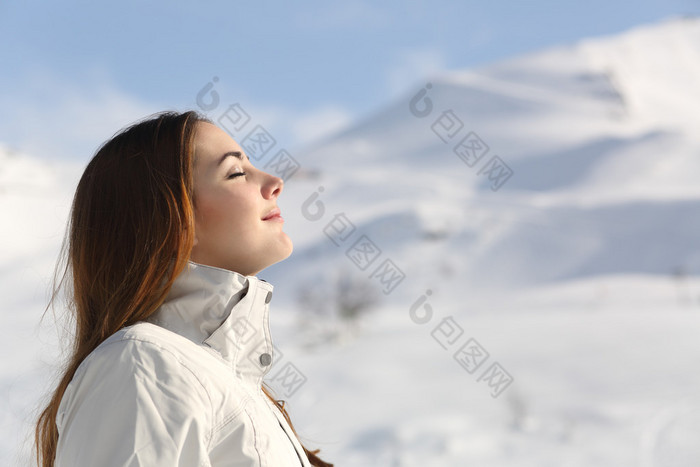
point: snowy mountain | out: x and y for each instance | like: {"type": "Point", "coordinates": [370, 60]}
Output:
{"type": "Point", "coordinates": [545, 206]}
{"type": "Point", "coordinates": [601, 139]}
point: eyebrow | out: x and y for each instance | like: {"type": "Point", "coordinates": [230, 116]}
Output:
{"type": "Point", "coordinates": [236, 154]}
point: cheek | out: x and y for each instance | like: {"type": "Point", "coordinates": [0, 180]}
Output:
{"type": "Point", "coordinates": [209, 213]}
{"type": "Point", "coordinates": [225, 214]}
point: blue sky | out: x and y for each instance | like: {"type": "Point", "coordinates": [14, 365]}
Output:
{"type": "Point", "coordinates": [76, 71]}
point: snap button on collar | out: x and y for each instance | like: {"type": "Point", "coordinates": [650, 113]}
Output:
{"type": "Point", "coordinates": [265, 359]}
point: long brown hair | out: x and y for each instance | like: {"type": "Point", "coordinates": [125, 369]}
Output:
{"type": "Point", "coordinates": [132, 214]}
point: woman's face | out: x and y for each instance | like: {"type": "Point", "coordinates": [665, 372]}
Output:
{"type": "Point", "coordinates": [233, 203]}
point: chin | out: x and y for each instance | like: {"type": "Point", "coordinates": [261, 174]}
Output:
{"type": "Point", "coordinates": [291, 249]}
{"type": "Point", "coordinates": [280, 255]}
{"type": "Point", "coordinates": [285, 253]}
{"type": "Point", "coordinates": [286, 248]}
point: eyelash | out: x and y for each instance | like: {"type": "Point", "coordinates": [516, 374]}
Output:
{"type": "Point", "coordinates": [234, 175]}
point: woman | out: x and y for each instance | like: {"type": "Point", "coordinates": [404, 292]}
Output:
{"type": "Point", "coordinates": [169, 226]}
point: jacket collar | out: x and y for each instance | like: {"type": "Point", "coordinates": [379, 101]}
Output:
{"type": "Point", "coordinates": [223, 310]}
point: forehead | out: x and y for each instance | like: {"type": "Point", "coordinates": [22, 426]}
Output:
{"type": "Point", "coordinates": [211, 142]}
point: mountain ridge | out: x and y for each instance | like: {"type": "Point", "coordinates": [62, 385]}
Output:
{"type": "Point", "coordinates": [585, 132]}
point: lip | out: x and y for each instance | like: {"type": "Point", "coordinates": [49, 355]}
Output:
{"type": "Point", "coordinates": [274, 215]}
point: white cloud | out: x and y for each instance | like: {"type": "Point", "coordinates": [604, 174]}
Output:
{"type": "Point", "coordinates": [50, 117]}
{"type": "Point", "coordinates": [411, 66]}
{"type": "Point", "coordinates": [320, 123]}
{"type": "Point", "coordinates": [296, 130]}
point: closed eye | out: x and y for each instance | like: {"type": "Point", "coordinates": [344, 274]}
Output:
{"type": "Point", "coordinates": [234, 175]}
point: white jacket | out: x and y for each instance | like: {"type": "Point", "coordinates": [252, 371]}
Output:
{"type": "Point", "coordinates": [183, 389]}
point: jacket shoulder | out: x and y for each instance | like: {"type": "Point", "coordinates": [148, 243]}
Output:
{"type": "Point", "coordinates": [134, 347]}
{"type": "Point", "coordinates": [135, 398]}
{"type": "Point", "coordinates": [145, 353]}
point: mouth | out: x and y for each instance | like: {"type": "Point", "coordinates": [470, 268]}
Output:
{"type": "Point", "coordinates": [274, 215]}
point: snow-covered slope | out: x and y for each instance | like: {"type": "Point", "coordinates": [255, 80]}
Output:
{"type": "Point", "coordinates": [576, 274]}
{"type": "Point", "coordinates": [601, 138]}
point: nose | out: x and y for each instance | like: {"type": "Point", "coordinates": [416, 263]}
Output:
{"type": "Point", "coordinates": [273, 187]}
